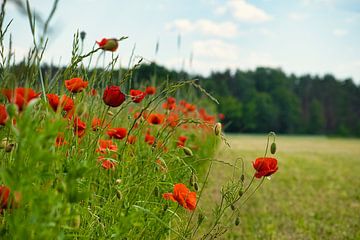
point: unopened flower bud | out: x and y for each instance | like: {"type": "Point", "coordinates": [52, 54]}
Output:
{"type": "Point", "coordinates": [188, 151]}
{"type": "Point", "coordinates": [196, 186]}
{"type": "Point", "coordinates": [12, 110]}
{"type": "Point", "coordinates": [237, 221]}
{"type": "Point", "coordinates": [242, 177]}
{"type": "Point", "coordinates": [119, 194]}
{"type": "Point", "coordinates": [241, 193]}
{"type": "Point", "coordinates": [273, 148]}
{"type": "Point", "coordinates": [156, 191]}
{"type": "Point", "coordinates": [201, 218]}
{"type": "Point", "coordinates": [76, 221]}
{"type": "Point", "coordinates": [232, 207]}
{"type": "Point", "coordinates": [193, 179]}
{"type": "Point", "coordinates": [217, 129]}
{"type": "Point", "coordinates": [82, 35]}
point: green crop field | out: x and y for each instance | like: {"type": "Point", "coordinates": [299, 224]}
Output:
{"type": "Point", "coordinates": [314, 195]}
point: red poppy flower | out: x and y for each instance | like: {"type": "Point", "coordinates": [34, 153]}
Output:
{"type": "Point", "coordinates": [3, 114]}
{"type": "Point", "coordinates": [108, 44]}
{"type": "Point", "coordinates": [93, 92]}
{"type": "Point", "coordinates": [20, 96]}
{"type": "Point", "coordinates": [118, 133]}
{"type": "Point", "coordinates": [107, 164]}
{"type": "Point", "coordinates": [136, 95]}
{"type": "Point", "coordinates": [60, 140]}
{"type": "Point", "coordinates": [76, 85]}
{"type": "Point", "coordinates": [105, 145]}
{"type": "Point", "coordinates": [149, 139]}
{"type": "Point", "coordinates": [6, 200]}
{"type": "Point", "coordinates": [79, 127]}
{"type": "Point", "coordinates": [265, 166]}
{"type": "Point", "coordinates": [150, 90]}
{"type": "Point", "coordinates": [156, 118]}
{"type": "Point", "coordinates": [66, 103]}
{"type": "Point", "coordinates": [182, 196]}
{"type": "Point", "coordinates": [173, 119]}
{"type": "Point", "coordinates": [181, 141]}
{"type": "Point", "coordinates": [113, 96]}
{"type": "Point", "coordinates": [221, 116]}
{"type": "Point", "coordinates": [131, 139]}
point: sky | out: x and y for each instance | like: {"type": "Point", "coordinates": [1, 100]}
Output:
{"type": "Point", "coordinates": [299, 36]}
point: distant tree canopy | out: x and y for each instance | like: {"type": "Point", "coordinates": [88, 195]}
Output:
{"type": "Point", "coordinates": [269, 100]}
{"type": "Point", "coordinates": [258, 101]}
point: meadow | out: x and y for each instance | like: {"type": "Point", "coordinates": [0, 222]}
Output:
{"type": "Point", "coordinates": [314, 195]}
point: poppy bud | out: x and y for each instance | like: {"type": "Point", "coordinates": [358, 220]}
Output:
{"type": "Point", "coordinates": [12, 110]}
{"type": "Point", "coordinates": [273, 148]}
{"type": "Point", "coordinates": [217, 129]}
{"type": "Point", "coordinates": [188, 151]}
{"type": "Point", "coordinates": [196, 186]}
{"type": "Point", "coordinates": [166, 206]}
{"type": "Point", "coordinates": [232, 207]}
{"type": "Point", "coordinates": [119, 194]}
{"type": "Point", "coordinates": [241, 192]}
{"type": "Point", "coordinates": [237, 221]}
{"type": "Point", "coordinates": [82, 35]}
{"type": "Point", "coordinates": [76, 221]}
{"type": "Point", "coordinates": [242, 177]}
{"type": "Point", "coordinates": [193, 179]}
{"type": "Point", "coordinates": [201, 218]}
{"type": "Point", "coordinates": [9, 147]}
{"type": "Point", "coordinates": [156, 191]}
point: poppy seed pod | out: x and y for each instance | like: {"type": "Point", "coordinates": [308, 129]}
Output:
{"type": "Point", "coordinates": [217, 129]}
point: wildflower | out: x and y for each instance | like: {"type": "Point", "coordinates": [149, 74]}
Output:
{"type": "Point", "coordinates": [3, 114]}
{"type": "Point", "coordinates": [181, 141]}
{"type": "Point", "coordinates": [108, 44]}
{"type": "Point", "coordinates": [170, 104]}
{"type": "Point", "coordinates": [190, 107]}
{"type": "Point", "coordinates": [105, 145]}
{"type": "Point", "coordinates": [173, 119]}
{"type": "Point", "coordinates": [149, 139]}
{"type": "Point", "coordinates": [131, 139]}
{"type": "Point", "coordinates": [118, 133]}
{"type": "Point", "coordinates": [155, 118]}
{"type": "Point", "coordinates": [182, 196]}
{"type": "Point", "coordinates": [79, 127]}
{"type": "Point", "coordinates": [107, 164]}
{"type": "Point", "coordinates": [66, 103]}
{"type": "Point", "coordinates": [76, 85]}
{"type": "Point", "coordinates": [136, 95]}
{"type": "Point", "coordinates": [93, 92]}
{"type": "Point", "coordinates": [20, 96]}
{"type": "Point", "coordinates": [6, 200]}
{"type": "Point", "coordinates": [60, 140]}
{"type": "Point", "coordinates": [113, 96]}
{"type": "Point", "coordinates": [265, 166]}
{"type": "Point", "coordinates": [221, 116]}
{"type": "Point", "coordinates": [150, 90]}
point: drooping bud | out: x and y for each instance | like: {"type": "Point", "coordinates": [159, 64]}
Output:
{"type": "Point", "coordinates": [119, 194]}
{"type": "Point", "coordinates": [201, 218]}
{"type": "Point", "coordinates": [237, 221]}
{"type": "Point", "coordinates": [217, 129]}
{"type": "Point", "coordinates": [156, 191]}
{"type": "Point", "coordinates": [76, 221]}
{"type": "Point", "coordinates": [188, 151]}
{"type": "Point", "coordinates": [242, 177]}
{"type": "Point", "coordinates": [241, 192]}
{"type": "Point", "coordinates": [196, 186]}
{"type": "Point", "coordinates": [273, 148]}
{"type": "Point", "coordinates": [232, 207]}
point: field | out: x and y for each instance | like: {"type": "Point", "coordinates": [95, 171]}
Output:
{"type": "Point", "coordinates": [314, 195]}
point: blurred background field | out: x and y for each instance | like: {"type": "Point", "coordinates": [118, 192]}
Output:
{"type": "Point", "coordinates": [314, 195]}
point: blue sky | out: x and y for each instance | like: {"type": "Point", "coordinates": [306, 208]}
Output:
{"type": "Point", "coordinates": [300, 36]}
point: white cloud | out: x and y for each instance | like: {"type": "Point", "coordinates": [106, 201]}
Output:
{"type": "Point", "coordinates": [297, 16]}
{"type": "Point", "coordinates": [246, 12]}
{"type": "Point", "coordinates": [340, 32]}
{"type": "Point", "coordinates": [215, 49]}
{"type": "Point", "coordinates": [204, 26]}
